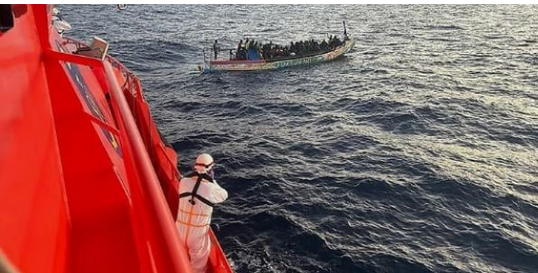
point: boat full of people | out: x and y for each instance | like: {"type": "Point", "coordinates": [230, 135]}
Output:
{"type": "Point", "coordinates": [252, 55]}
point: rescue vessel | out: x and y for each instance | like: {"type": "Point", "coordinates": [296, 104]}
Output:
{"type": "Point", "coordinates": [87, 183]}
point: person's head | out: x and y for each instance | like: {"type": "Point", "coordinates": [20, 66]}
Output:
{"type": "Point", "coordinates": [204, 164]}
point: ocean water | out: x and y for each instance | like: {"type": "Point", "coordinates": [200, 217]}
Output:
{"type": "Point", "coordinates": [416, 152]}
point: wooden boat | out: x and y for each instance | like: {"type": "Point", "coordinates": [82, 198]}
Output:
{"type": "Point", "coordinates": [86, 182]}
{"type": "Point", "coordinates": [251, 65]}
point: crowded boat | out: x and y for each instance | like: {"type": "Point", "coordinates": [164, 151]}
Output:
{"type": "Point", "coordinates": [251, 54]}
{"type": "Point", "coordinates": [254, 50]}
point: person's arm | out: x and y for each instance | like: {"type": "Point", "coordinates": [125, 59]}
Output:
{"type": "Point", "coordinates": [218, 194]}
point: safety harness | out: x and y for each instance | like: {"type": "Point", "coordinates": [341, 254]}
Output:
{"type": "Point", "coordinates": [194, 193]}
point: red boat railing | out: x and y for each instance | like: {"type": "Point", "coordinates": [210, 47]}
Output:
{"type": "Point", "coordinates": [131, 84]}
{"type": "Point", "coordinates": [106, 212]}
{"type": "Point", "coordinates": [161, 243]}
{"type": "Point", "coordinates": [157, 209]}
{"type": "Point", "coordinates": [121, 109]}
{"type": "Point", "coordinates": [217, 260]}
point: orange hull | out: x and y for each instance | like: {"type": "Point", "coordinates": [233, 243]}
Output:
{"type": "Point", "coordinates": [86, 183]}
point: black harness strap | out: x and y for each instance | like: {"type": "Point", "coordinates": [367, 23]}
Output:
{"type": "Point", "coordinates": [194, 192]}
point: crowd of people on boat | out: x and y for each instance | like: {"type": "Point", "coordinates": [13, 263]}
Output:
{"type": "Point", "coordinates": [254, 50]}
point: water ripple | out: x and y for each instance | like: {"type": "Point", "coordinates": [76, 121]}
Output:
{"type": "Point", "coordinates": [417, 152]}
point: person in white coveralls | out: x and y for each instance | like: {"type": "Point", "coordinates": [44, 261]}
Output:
{"type": "Point", "coordinates": [198, 193]}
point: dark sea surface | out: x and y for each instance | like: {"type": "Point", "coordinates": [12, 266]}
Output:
{"type": "Point", "coordinates": [416, 152]}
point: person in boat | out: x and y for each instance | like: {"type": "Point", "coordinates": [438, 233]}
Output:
{"type": "Point", "coordinates": [334, 42]}
{"type": "Point", "coordinates": [241, 54]}
{"type": "Point", "coordinates": [242, 50]}
{"type": "Point", "coordinates": [324, 46]}
{"type": "Point", "coordinates": [239, 45]}
{"type": "Point", "coordinates": [253, 52]}
{"type": "Point", "coordinates": [215, 49]}
{"type": "Point", "coordinates": [198, 193]}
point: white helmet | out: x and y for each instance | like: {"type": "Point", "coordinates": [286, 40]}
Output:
{"type": "Point", "coordinates": [203, 163]}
